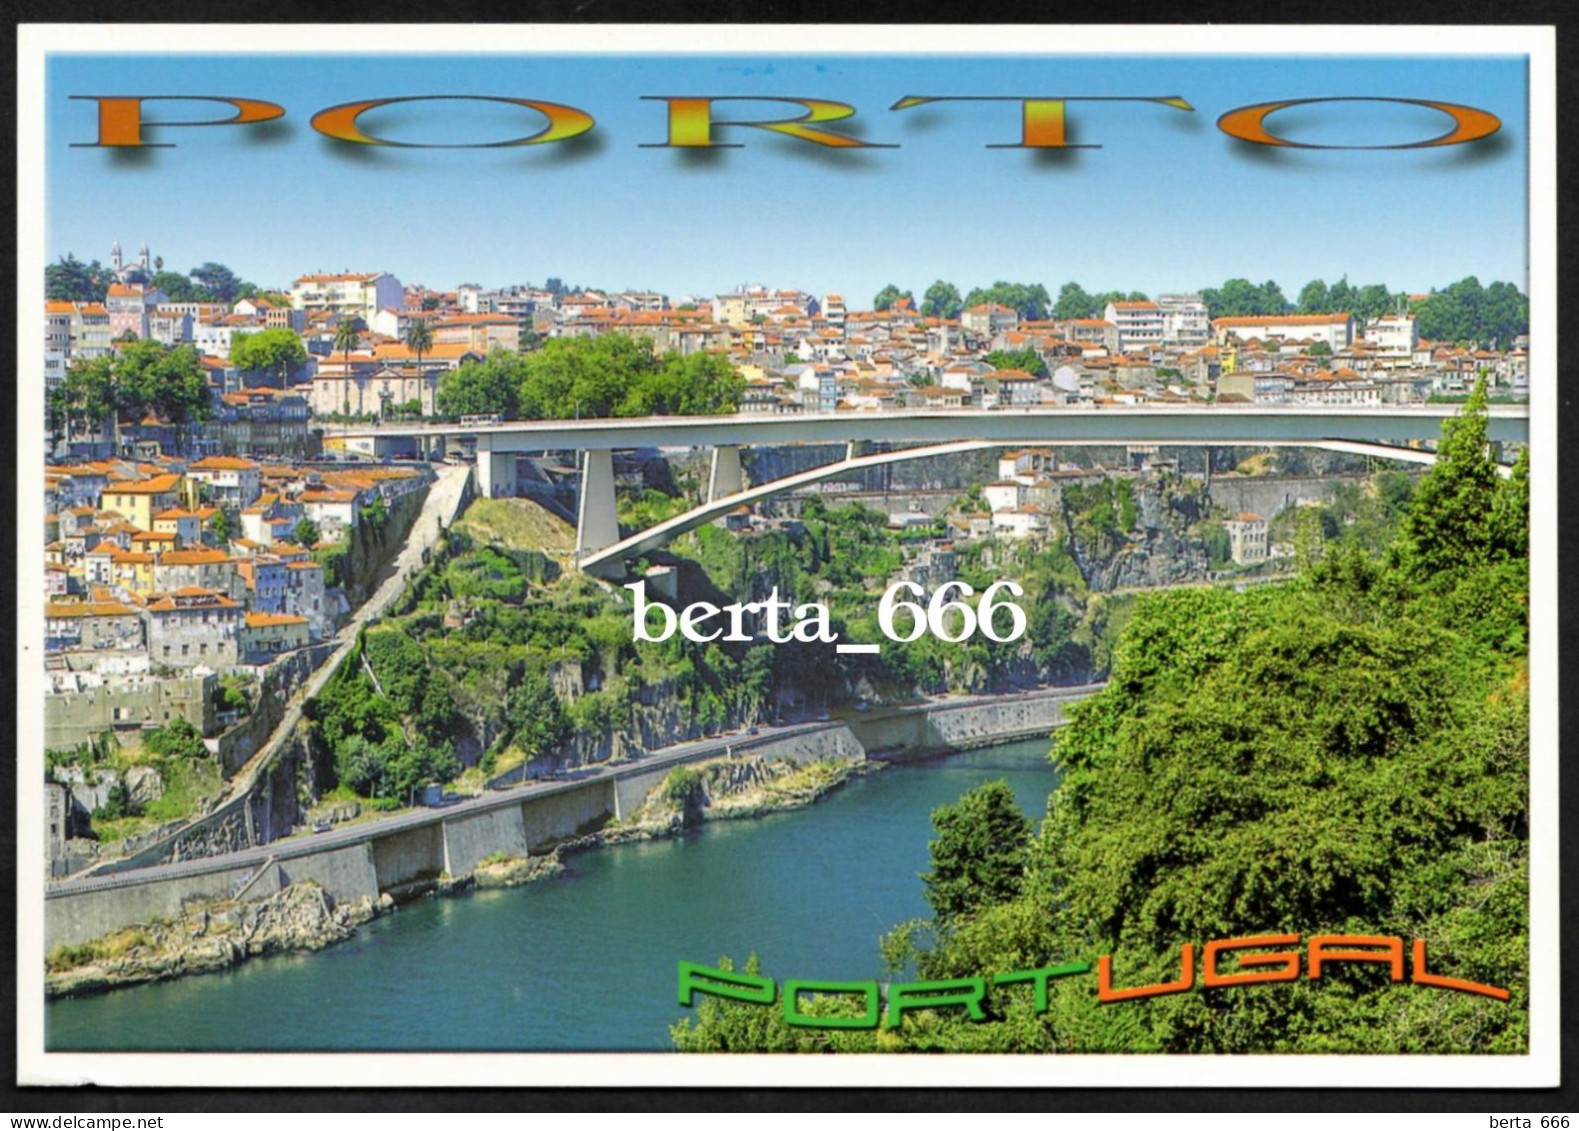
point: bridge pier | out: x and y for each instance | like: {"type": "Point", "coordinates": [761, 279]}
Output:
{"type": "Point", "coordinates": [726, 477]}
{"type": "Point", "coordinates": [495, 470]}
{"type": "Point", "coordinates": [597, 519]}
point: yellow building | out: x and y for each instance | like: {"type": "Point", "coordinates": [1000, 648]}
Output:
{"type": "Point", "coordinates": [140, 500]}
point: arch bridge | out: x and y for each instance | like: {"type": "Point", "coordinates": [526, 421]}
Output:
{"type": "Point", "coordinates": [1386, 432]}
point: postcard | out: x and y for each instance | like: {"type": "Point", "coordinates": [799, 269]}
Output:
{"type": "Point", "coordinates": [661, 555]}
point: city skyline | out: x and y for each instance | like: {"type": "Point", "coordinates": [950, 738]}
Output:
{"type": "Point", "coordinates": [855, 300]}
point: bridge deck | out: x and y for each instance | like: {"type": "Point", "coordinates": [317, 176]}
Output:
{"type": "Point", "coordinates": [1216, 424]}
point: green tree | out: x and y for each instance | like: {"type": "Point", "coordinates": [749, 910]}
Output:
{"type": "Point", "coordinates": [143, 376]}
{"type": "Point", "coordinates": [179, 288]}
{"type": "Point", "coordinates": [1025, 358]}
{"type": "Point", "coordinates": [306, 532]}
{"type": "Point", "coordinates": [401, 667]}
{"type": "Point", "coordinates": [346, 338]}
{"type": "Point", "coordinates": [888, 296]}
{"type": "Point", "coordinates": [71, 280]}
{"type": "Point", "coordinates": [618, 375]}
{"type": "Point", "coordinates": [87, 398]}
{"type": "Point", "coordinates": [1372, 301]}
{"type": "Point", "coordinates": [1451, 516]}
{"type": "Point", "coordinates": [979, 855]}
{"type": "Point", "coordinates": [536, 717]}
{"type": "Point", "coordinates": [1074, 302]}
{"type": "Point", "coordinates": [419, 339]}
{"type": "Point", "coordinates": [1030, 300]}
{"type": "Point", "coordinates": [1510, 513]}
{"type": "Point", "coordinates": [942, 301]}
{"type": "Point", "coordinates": [1239, 298]}
{"type": "Point", "coordinates": [169, 381]}
{"type": "Point", "coordinates": [278, 349]}
{"type": "Point", "coordinates": [1313, 297]}
{"type": "Point", "coordinates": [218, 280]}
{"type": "Point", "coordinates": [175, 739]}
{"type": "Point", "coordinates": [219, 527]}
{"type": "Point", "coordinates": [1467, 312]}
{"type": "Point", "coordinates": [491, 385]}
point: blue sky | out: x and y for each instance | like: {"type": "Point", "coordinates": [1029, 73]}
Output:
{"type": "Point", "coordinates": [1168, 202]}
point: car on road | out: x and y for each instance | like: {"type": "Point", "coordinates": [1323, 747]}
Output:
{"type": "Point", "coordinates": [751, 730]}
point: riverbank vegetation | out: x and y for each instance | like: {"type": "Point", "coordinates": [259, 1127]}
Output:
{"type": "Point", "coordinates": [1344, 754]}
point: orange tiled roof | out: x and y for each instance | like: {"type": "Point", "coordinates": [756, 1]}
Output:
{"type": "Point", "coordinates": [88, 609]}
{"type": "Point", "coordinates": [269, 620]}
{"type": "Point", "coordinates": [158, 485]}
{"type": "Point", "coordinates": [194, 557]}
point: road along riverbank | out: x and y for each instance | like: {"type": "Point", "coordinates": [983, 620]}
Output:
{"type": "Point", "coordinates": [442, 849]}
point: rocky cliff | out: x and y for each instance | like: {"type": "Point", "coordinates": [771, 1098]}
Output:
{"type": "Point", "coordinates": [208, 937]}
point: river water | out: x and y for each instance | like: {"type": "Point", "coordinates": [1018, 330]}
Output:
{"type": "Point", "coordinates": [586, 961]}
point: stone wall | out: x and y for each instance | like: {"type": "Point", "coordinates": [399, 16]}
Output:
{"type": "Point", "coordinates": [74, 919]}
{"type": "Point", "coordinates": [414, 854]}
{"type": "Point", "coordinates": [281, 680]}
{"type": "Point", "coordinates": [931, 731]}
{"type": "Point", "coordinates": [371, 551]}
{"type": "Point", "coordinates": [346, 873]}
{"type": "Point", "coordinates": [392, 859]}
{"type": "Point", "coordinates": [470, 839]}
{"type": "Point", "coordinates": [1266, 495]}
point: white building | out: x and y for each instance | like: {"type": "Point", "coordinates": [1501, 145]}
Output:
{"type": "Point", "coordinates": [1139, 324]}
{"type": "Point", "coordinates": [1004, 495]}
{"type": "Point", "coordinates": [1336, 330]}
{"type": "Point", "coordinates": [1023, 522]}
{"type": "Point", "coordinates": [1394, 335]}
{"type": "Point", "coordinates": [232, 481]}
{"type": "Point", "coordinates": [348, 295]}
{"type": "Point", "coordinates": [989, 319]}
{"type": "Point", "coordinates": [1247, 538]}
{"type": "Point", "coordinates": [1185, 321]}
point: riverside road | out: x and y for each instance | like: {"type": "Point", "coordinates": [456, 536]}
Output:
{"type": "Point", "coordinates": [307, 844]}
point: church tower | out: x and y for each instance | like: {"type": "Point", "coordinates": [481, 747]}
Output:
{"type": "Point", "coordinates": [115, 257]}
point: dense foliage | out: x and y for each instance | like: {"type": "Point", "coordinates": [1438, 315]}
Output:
{"type": "Point", "coordinates": [142, 377]}
{"type": "Point", "coordinates": [942, 300]}
{"type": "Point", "coordinates": [1239, 298]}
{"type": "Point", "coordinates": [1344, 754]}
{"type": "Point", "coordinates": [69, 279]}
{"type": "Point", "coordinates": [1468, 312]}
{"type": "Point", "coordinates": [277, 350]}
{"type": "Point", "coordinates": [978, 858]}
{"type": "Point", "coordinates": [609, 375]}
{"type": "Point", "coordinates": [889, 295]}
{"type": "Point", "coordinates": [1026, 359]}
{"type": "Point", "coordinates": [1029, 300]}
{"type": "Point", "coordinates": [1074, 302]}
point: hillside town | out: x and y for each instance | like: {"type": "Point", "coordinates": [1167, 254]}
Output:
{"type": "Point", "coordinates": [199, 504]}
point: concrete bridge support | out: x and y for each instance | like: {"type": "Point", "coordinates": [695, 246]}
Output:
{"type": "Point", "coordinates": [726, 477]}
{"type": "Point", "coordinates": [597, 518]}
{"type": "Point", "coordinates": [495, 470]}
